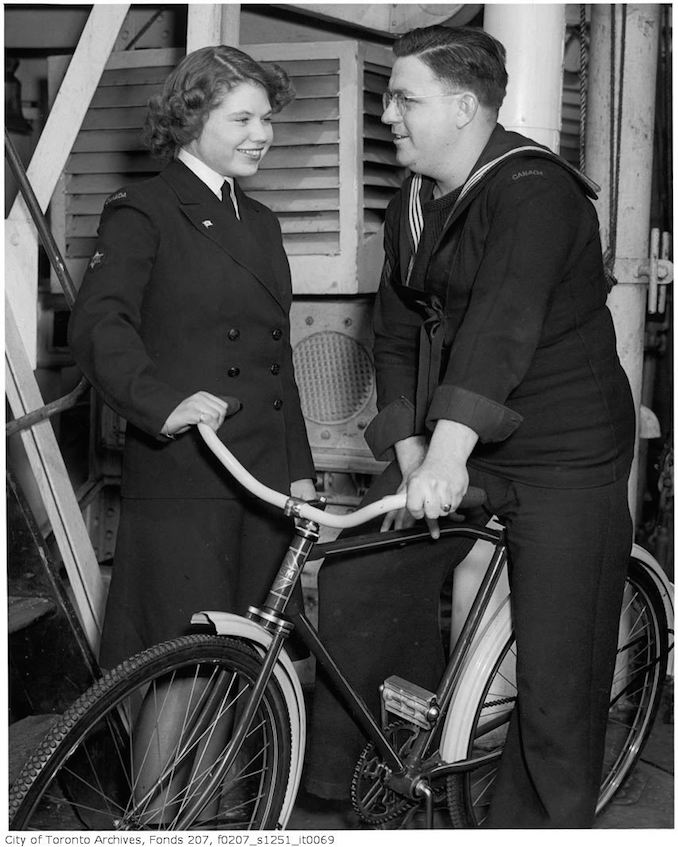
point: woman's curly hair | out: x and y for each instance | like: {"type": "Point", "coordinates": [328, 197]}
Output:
{"type": "Point", "coordinates": [196, 86]}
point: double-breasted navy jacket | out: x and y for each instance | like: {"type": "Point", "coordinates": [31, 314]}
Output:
{"type": "Point", "coordinates": [526, 344]}
{"type": "Point", "coordinates": [180, 297]}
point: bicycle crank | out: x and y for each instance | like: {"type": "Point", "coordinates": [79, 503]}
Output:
{"type": "Point", "coordinates": [373, 800]}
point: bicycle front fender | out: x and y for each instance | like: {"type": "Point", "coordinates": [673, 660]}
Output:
{"type": "Point", "coordinates": [225, 623]}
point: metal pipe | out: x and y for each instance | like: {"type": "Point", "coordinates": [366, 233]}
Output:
{"type": "Point", "coordinates": [55, 407]}
{"type": "Point", "coordinates": [44, 232]}
{"type": "Point", "coordinates": [69, 289]}
{"type": "Point", "coordinates": [534, 37]}
{"type": "Point", "coordinates": [624, 206]}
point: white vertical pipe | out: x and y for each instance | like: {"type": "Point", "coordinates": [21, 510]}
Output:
{"type": "Point", "coordinates": [534, 37]}
{"type": "Point", "coordinates": [627, 299]}
{"type": "Point", "coordinates": [212, 23]}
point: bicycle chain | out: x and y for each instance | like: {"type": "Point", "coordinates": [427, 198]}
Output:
{"type": "Point", "coordinates": [368, 786]}
{"type": "Point", "coordinates": [501, 702]}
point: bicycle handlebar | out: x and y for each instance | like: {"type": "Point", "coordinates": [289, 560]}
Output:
{"type": "Point", "coordinates": [390, 503]}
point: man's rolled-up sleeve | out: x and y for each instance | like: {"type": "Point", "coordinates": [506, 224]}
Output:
{"type": "Point", "coordinates": [394, 423]}
{"type": "Point", "coordinates": [491, 421]}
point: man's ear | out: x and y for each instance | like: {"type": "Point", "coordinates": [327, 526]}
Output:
{"type": "Point", "coordinates": [467, 109]}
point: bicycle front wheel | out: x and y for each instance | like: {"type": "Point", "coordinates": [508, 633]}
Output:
{"type": "Point", "coordinates": [141, 748]}
{"type": "Point", "coordinates": [642, 655]}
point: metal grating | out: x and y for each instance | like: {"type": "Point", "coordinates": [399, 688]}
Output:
{"type": "Point", "coordinates": [335, 376]}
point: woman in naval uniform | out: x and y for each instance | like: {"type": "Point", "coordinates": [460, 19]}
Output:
{"type": "Point", "coordinates": [182, 317]}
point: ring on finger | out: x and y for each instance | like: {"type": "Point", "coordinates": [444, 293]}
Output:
{"type": "Point", "coordinates": [446, 507]}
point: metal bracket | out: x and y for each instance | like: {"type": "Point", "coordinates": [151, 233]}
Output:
{"type": "Point", "coordinates": [640, 270]}
{"type": "Point", "coordinates": [292, 506]}
{"type": "Point", "coordinates": [54, 486]}
{"type": "Point", "coordinates": [655, 271]}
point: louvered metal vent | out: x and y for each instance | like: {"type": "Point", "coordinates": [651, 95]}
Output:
{"type": "Point", "coordinates": [332, 170]}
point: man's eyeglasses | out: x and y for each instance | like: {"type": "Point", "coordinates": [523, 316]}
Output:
{"type": "Point", "coordinates": [402, 102]}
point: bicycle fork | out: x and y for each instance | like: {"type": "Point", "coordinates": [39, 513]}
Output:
{"type": "Point", "coordinates": [189, 815]}
{"type": "Point", "coordinates": [269, 617]}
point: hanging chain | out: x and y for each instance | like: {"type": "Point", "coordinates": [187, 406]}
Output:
{"type": "Point", "coordinates": [615, 137]}
{"type": "Point", "coordinates": [583, 84]}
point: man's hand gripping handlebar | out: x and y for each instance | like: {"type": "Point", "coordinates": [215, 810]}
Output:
{"type": "Point", "coordinates": [298, 508]}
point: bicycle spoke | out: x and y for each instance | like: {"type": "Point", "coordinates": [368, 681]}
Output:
{"type": "Point", "coordinates": [635, 693]}
{"type": "Point", "coordinates": [143, 747]}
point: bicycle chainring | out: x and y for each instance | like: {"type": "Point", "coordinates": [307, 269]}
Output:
{"type": "Point", "coordinates": [378, 805]}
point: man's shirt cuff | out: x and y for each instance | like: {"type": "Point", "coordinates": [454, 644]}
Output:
{"type": "Point", "coordinates": [394, 423]}
{"type": "Point", "coordinates": [490, 420]}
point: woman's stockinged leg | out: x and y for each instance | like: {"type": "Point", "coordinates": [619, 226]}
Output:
{"type": "Point", "coordinates": [181, 731]}
{"type": "Point", "coordinates": [568, 555]}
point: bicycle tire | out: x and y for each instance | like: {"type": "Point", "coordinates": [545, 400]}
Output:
{"type": "Point", "coordinates": [642, 657]}
{"type": "Point", "coordinates": [81, 775]}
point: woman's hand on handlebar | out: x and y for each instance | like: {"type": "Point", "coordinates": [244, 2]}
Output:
{"type": "Point", "coordinates": [201, 407]}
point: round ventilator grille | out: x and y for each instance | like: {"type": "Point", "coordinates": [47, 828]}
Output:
{"type": "Point", "coordinates": [335, 376]}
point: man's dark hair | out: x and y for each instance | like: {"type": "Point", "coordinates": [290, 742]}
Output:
{"type": "Point", "coordinates": [463, 57]}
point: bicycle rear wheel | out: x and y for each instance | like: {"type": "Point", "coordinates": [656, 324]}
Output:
{"type": "Point", "coordinates": [142, 743]}
{"type": "Point", "coordinates": [642, 655]}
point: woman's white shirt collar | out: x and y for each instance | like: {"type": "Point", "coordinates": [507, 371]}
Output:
{"type": "Point", "coordinates": [211, 178]}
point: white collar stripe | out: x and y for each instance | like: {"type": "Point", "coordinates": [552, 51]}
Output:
{"type": "Point", "coordinates": [480, 173]}
{"type": "Point", "coordinates": [415, 214]}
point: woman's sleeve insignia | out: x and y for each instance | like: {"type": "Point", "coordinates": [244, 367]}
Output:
{"type": "Point", "coordinates": [96, 259]}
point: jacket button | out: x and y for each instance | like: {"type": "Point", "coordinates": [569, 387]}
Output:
{"type": "Point", "coordinates": [277, 404]}
{"type": "Point", "coordinates": [277, 334]}
{"type": "Point", "coordinates": [275, 368]}
{"type": "Point", "coordinates": [233, 371]}
{"type": "Point", "coordinates": [233, 334]}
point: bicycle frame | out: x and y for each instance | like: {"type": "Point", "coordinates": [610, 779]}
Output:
{"type": "Point", "coordinates": [475, 615]}
{"type": "Point", "coordinates": [182, 767]}
{"type": "Point", "coordinates": [272, 628]}
{"type": "Point", "coordinates": [269, 627]}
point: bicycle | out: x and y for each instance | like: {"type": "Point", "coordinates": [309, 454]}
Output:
{"type": "Point", "coordinates": [425, 749]}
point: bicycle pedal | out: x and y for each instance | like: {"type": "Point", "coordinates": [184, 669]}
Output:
{"type": "Point", "coordinates": [409, 701]}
